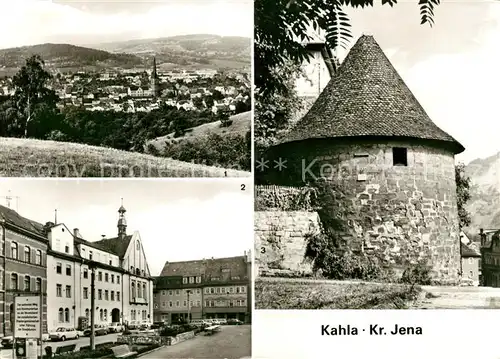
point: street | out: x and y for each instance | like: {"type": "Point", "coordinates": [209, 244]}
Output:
{"type": "Point", "coordinates": [232, 342]}
{"type": "Point", "coordinates": [80, 342]}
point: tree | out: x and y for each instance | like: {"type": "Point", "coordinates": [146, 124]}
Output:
{"type": "Point", "coordinates": [32, 97]}
{"type": "Point", "coordinates": [280, 23]}
{"type": "Point", "coordinates": [463, 195]}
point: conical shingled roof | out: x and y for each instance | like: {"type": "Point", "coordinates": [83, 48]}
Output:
{"type": "Point", "coordinates": [367, 97]}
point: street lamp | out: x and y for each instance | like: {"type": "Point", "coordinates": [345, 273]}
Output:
{"type": "Point", "coordinates": [189, 306]}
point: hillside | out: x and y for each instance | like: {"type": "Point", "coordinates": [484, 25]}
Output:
{"type": "Point", "coordinates": [484, 204]}
{"type": "Point", "coordinates": [189, 50]}
{"type": "Point", "coordinates": [241, 124]}
{"type": "Point", "coordinates": [35, 158]}
{"type": "Point", "coordinates": [67, 56]}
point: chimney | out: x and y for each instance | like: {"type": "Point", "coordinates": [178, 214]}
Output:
{"type": "Point", "coordinates": [76, 233]}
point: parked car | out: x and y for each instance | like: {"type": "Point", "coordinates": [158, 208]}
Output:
{"type": "Point", "coordinates": [98, 329]}
{"type": "Point", "coordinates": [115, 328]}
{"type": "Point", "coordinates": [234, 322]}
{"type": "Point", "coordinates": [7, 342]}
{"type": "Point", "coordinates": [63, 334]}
{"type": "Point", "coordinates": [222, 321]}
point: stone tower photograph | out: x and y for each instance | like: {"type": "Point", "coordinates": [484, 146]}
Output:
{"type": "Point", "coordinates": [362, 195]}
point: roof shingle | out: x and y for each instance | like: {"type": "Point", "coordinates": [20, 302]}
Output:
{"type": "Point", "coordinates": [12, 217]}
{"type": "Point", "coordinates": [115, 245]}
{"type": "Point", "coordinates": [233, 266]}
{"type": "Point", "coordinates": [367, 97]}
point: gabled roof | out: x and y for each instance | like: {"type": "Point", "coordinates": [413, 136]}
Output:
{"type": "Point", "coordinates": [236, 266]}
{"type": "Point", "coordinates": [12, 217]}
{"type": "Point", "coordinates": [470, 250]}
{"type": "Point", "coordinates": [115, 245]}
{"type": "Point", "coordinates": [367, 97]}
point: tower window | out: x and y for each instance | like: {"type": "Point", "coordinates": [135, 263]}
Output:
{"type": "Point", "coordinates": [399, 156]}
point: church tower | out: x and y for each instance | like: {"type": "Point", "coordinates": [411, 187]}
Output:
{"type": "Point", "coordinates": [155, 85]}
{"type": "Point", "coordinates": [122, 222]}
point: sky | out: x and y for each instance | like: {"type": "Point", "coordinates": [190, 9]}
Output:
{"type": "Point", "coordinates": [451, 68]}
{"type": "Point", "coordinates": [32, 22]}
{"type": "Point", "coordinates": [176, 219]}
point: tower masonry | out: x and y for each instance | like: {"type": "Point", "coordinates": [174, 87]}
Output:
{"type": "Point", "coordinates": [391, 167]}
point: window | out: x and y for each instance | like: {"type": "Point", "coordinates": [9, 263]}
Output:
{"type": "Point", "coordinates": [106, 295]}
{"type": "Point", "coordinates": [198, 303]}
{"type": "Point", "coordinates": [118, 296]}
{"type": "Point", "coordinates": [68, 269]}
{"type": "Point", "coordinates": [198, 291]}
{"type": "Point", "coordinates": [85, 293]}
{"type": "Point", "coordinates": [68, 291]}
{"type": "Point", "coordinates": [13, 250]}
{"type": "Point", "coordinates": [144, 291]}
{"type": "Point", "coordinates": [117, 279]}
{"type": "Point", "coordinates": [112, 295]}
{"type": "Point", "coordinates": [170, 292]}
{"type": "Point", "coordinates": [90, 255]}
{"type": "Point", "coordinates": [170, 304]}
{"type": "Point", "coordinates": [207, 290]}
{"type": "Point", "coordinates": [231, 289]}
{"type": "Point", "coordinates": [184, 304]}
{"type": "Point", "coordinates": [133, 290]}
{"type": "Point", "coordinates": [399, 156]}
{"type": "Point", "coordinates": [242, 290]}
{"type": "Point", "coordinates": [177, 303]}
{"type": "Point", "coordinates": [100, 276]}
{"type": "Point", "coordinates": [85, 273]}
{"type": "Point", "coordinates": [99, 294]}
{"type": "Point", "coordinates": [237, 289]}
{"type": "Point", "coordinates": [38, 285]}
{"type": "Point", "coordinates": [66, 249]}
{"type": "Point", "coordinates": [471, 274]}
{"type": "Point", "coordinates": [177, 292]}
{"type": "Point", "coordinates": [38, 258]}
{"type": "Point", "coordinates": [471, 260]}
{"type": "Point", "coordinates": [83, 252]}
{"type": "Point", "coordinates": [61, 315]}
{"type": "Point", "coordinates": [110, 262]}
{"type": "Point", "coordinates": [59, 268]}
{"type": "Point", "coordinates": [163, 304]}
{"type": "Point", "coordinates": [212, 291]}
{"type": "Point", "coordinates": [112, 278]}
{"type": "Point", "coordinates": [27, 283]}
{"type": "Point", "coordinates": [87, 313]}
{"type": "Point", "coordinates": [101, 315]}
{"type": "Point", "coordinates": [105, 314]}
{"type": "Point", "coordinates": [191, 280]}
{"type": "Point", "coordinates": [184, 280]}
{"type": "Point", "coordinates": [58, 290]}
{"type": "Point", "coordinates": [106, 277]}
{"type": "Point", "coordinates": [198, 279]}
{"type": "Point", "coordinates": [223, 290]}
{"type": "Point", "coordinates": [138, 246]}
{"type": "Point", "coordinates": [13, 281]}
{"type": "Point", "coordinates": [66, 315]}
{"type": "Point", "coordinates": [27, 254]}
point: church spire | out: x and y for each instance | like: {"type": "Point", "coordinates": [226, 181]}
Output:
{"type": "Point", "coordinates": [122, 222]}
{"type": "Point", "coordinates": [154, 80]}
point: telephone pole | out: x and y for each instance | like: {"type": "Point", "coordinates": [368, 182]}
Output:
{"type": "Point", "coordinates": [92, 305]}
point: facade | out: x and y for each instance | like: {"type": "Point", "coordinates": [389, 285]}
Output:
{"type": "Point", "coordinates": [490, 258]}
{"type": "Point", "coordinates": [471, 263]}
{"type": "Point", "coordinates": [23, 247]}
{"type": "Point", "coordinates": [367, 136]}
{"type": "Point", "coordinates": [207, 288]}
{"type": "Point", "coordinates": [123, 285]}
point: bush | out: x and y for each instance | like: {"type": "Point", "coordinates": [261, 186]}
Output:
{"type": "Point", "coordinates": [419, 273]}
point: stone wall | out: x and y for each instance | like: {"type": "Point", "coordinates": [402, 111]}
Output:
{"type": "Point", "coordinates": [280, 240]}
{"type": "Point", "coordinates": [399, 214]}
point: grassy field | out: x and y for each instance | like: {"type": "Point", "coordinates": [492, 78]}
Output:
{"type": "Point", "coordinates": [241, 125]}
{"type": "Point", "coordinates": [284, 293]}
{"type": "Point", "coordinates": [35, 158]}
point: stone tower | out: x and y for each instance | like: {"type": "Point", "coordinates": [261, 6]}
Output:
{"type": "Point", "coordinates": [155, 84]}
{"type": "Point", "coordinates": [367, 136]}
{"type": "Point", "coordinates": [122, 222]}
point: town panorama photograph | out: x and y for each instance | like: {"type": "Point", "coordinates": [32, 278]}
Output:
{"type": "Point", "coordinates": [117, 269]}
{"type": "Point", "coordinates": [376, 163]}
{"type": "Point", "coordinates": [125, 88]}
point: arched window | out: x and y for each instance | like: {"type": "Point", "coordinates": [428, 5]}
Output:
{"type": "Point", "coordinates": [13, 281]}
{"type": "Point", "coordinates": [101, 317]}
{"type": "Point", "coordinates": [105, 315]}
{"type": "Point", "coordinates": [13, 250]}
{"type": "Point", "coordinates": [27, 254]}
{"type": "Point", "coordinates": [38, 258]}
{"type": "Point", "coordinates": [133, 289]}
{"type": "Point", "coordinates": [39, 284]}
{"type": "Point", "coordinates": [66, 315]}
{"type": "Point", "coordinates": [138, 245]}
{"type": "Point", "coordinates": [87, 313]}
{"type": "Point", "coordinates": [61, 315]}
{"type": "Point", "coordinates": [27, 283]}
{"type": "Point", "coordinates": [144, 291]}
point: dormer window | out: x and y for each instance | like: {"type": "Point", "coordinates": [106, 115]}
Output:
{"type": "Point", "coordinates": [399, 156]}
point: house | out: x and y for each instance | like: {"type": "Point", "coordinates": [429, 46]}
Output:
{"type": "Point", "coordinates": [471, 263]}
{"type": "Point", "coordinates": [206, 288]}
{"type": "Point", "coordinates": [490, 257]}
